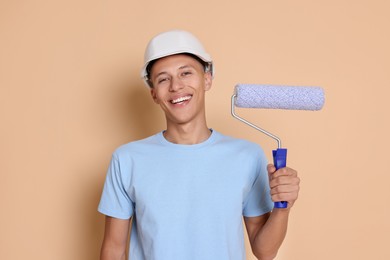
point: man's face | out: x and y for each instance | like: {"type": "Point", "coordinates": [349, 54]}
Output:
{"type": "Point", "coordinates": [179, 85]}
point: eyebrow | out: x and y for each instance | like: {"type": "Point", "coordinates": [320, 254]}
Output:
{"type": "Point", "coordinates": [159, 74]}
{"type": "Point", "coordinates": [185, 67]}
{"type": "Point", "coordinates": [180, 68]}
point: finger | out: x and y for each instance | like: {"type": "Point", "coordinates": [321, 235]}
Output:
{"type": "Point", "coordinates": [286, 171]}
{"type": "Point", "coordinates": [290, 188]}
{"type": "Point", "coordinates": [290, 197]}
{"type": "Point", "coordinates": [284, 180]}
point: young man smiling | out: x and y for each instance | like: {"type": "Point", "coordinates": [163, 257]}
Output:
{"type": "Point", "coordinates": [188, 187]}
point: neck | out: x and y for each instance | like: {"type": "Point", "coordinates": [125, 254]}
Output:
{"type": "Point", "coordinates": [187, 133]}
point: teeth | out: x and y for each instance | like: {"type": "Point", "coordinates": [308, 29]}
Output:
{"type": "Point", "coordinates": [180, 99]}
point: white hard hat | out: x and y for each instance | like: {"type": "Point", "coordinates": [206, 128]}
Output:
{"type": "Point", "coordinates": [174, 42]}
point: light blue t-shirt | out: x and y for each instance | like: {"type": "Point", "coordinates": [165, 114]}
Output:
{"type": "Point", "coordinates": [187, 201]}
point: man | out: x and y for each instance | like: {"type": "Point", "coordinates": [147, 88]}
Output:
{"type": "Point", "coordinates": [187, 188]}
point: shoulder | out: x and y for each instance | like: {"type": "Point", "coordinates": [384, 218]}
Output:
{"type": "Point", "coordinates": [137, 146]}
{"type": "Point", "coordinates": [238, 143]}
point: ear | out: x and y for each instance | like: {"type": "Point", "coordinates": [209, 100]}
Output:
{"type": "Point", "coordinates": [208, 81]}
{"type": "Point", "coordinates": [154, 95]}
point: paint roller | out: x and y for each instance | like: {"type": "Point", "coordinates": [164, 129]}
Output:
{"type": "Point", "coordinates": [276, 97]}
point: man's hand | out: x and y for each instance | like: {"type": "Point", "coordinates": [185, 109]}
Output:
{"type": "Point", "coordinates": [284, 184]}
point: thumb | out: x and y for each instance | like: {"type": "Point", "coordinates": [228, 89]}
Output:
{"type": "Point", "coordinates": [271, 169]}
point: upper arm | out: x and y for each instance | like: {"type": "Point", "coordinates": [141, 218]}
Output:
{"type": "Point", "coordinates": [115, 237]}
{"type": "Point", "coordinates": [254, 224]}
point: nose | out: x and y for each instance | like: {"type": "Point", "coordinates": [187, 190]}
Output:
{"type": "Point", "coordinates": [176, 84]}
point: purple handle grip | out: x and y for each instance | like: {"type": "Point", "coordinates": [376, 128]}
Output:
{"type": "Point", "coordinates": [280, 159]}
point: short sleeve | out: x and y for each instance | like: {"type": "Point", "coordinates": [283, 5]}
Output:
{"type": "Point", "coordinates": [115, 201]}
{"type": "Point", "coordinates": [258, 200]}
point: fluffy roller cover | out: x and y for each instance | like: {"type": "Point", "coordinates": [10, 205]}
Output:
{"type": "Point", "coordinates": [279, 97]}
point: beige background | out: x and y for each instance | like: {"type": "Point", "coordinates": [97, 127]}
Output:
{"type": "Point", "coordinates": [70, 93]}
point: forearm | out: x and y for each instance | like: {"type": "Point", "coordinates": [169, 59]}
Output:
{"type": "Point", "coordinates": [115, 239]}
{"type": "Point", "coordinates": [269, 238]}
{"type": "Point", "coordinates": [112, 253]}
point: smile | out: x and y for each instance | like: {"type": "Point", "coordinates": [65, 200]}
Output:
{"type": "Point", "coordinates": [181, 99]}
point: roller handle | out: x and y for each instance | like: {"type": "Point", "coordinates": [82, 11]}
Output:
{"type": "Point", "coordinates": [280, 158]}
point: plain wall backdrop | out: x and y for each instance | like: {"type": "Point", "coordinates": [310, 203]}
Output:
{"type": "Point", "coordinates": [70, 93]}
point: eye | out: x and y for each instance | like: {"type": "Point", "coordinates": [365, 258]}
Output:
{"type": "Point", "coordinates": [186, 73]}
{"type": "Point", "coordinates": [161, 80]}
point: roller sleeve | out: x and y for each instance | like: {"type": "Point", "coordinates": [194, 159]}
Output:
{"type": "Point", "coordinates": [279, 97]}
